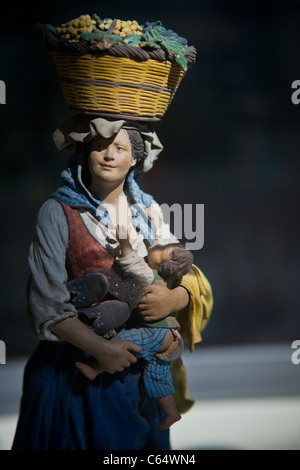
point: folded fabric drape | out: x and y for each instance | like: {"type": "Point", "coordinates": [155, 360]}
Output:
{"type": "Point", "coordinates": [83, 128]}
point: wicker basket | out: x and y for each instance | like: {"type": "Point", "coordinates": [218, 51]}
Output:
{"type": "Point", "coordinates": [123, 82]}
{"type": "Point", "coordinates": [118, 86]}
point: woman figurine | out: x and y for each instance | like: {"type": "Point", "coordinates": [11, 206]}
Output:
{"type": "Point", "coordinates": [76, 235]}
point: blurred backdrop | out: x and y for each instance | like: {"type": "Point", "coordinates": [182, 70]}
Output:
{"type": "Point", "coordinates": [231, 142]}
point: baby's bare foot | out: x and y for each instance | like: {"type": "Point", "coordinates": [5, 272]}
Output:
{"type": "Point", "coordinates": [87, 370]}
{"type": "Point", "coordinates": [168, 421]}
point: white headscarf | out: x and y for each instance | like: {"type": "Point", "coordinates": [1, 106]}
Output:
{"type": "Point", "coordinates": [83, 128]}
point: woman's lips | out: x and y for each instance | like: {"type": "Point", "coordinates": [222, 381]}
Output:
{"type": "Point", "coordinates": [106, 166]}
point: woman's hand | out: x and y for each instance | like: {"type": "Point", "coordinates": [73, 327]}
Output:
{"type": "Point", "coordinates": [111, 356]}
{"type": "Point", "coordinates": [116, 356]}
{"type": "Point", "coordinates": [159, 301]}
{"type": "Point", "coordinates": [115, 359]}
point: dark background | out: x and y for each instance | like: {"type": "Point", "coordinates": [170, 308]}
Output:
{"type": "Point", "coordinates": [231, 138]}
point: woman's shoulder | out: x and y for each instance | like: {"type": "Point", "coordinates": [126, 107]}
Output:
{"type": "Point", "coordinates": [51, 214]}
{"type": "Point", "coordinates": [50, 208]}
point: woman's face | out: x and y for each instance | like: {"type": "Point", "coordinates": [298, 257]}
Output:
{"type": "Point", "coordinates": [111, 159]}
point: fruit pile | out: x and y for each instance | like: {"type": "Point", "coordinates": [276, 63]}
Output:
{"type": "Point", "coordinates": [104, 33]}
{"type": "Point", "coordinates": [74, 28]}
{"type": "Point", "coordinates": [122, 28]}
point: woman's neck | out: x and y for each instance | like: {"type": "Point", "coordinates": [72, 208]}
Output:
{"type": "Point", "coordinates": [115, 202]}
{"type": "Point", "coordinates": [108, 194]}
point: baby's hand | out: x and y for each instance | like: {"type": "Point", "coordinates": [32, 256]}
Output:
{"type": "Point", "coordinates": [122, 235]}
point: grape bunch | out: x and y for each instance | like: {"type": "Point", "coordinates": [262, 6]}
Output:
{"type": "Point", "coordinates": [74, 28]}
{"type": "Point", "coordinates": [148, 25]}
{"type": "Point", "coordinates": [122, 28]}
{"type": "Point", "coordinates": [171, 34]}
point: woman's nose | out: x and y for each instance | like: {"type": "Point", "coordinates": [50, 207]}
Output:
{"type": "Point", "coordinates": [108, 155]}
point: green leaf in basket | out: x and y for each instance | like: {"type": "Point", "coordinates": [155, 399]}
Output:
{"type": "Point", "coordinates": [174, 49]}
{"type": "Point", "coordinates": [132, 40]}
{"type": "Point", "coordinates": [182, 62]}
{"type": "Point", "coordinates": [90, 37]}
{"type": "Point", "coordinates": [152, 44]}
{"type": "Point", "coordinates": [173, 44]}
{"type": "Point", "coordinates": [155, 34]}
{"type": "Point", "coordinates": [49, 26]}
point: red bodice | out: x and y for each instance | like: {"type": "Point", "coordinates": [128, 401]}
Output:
{"type": "Point", "coordinates": [84, 254]}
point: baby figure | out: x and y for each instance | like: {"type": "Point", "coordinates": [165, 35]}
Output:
{"type": "Point", "coordinates": [160, 341]}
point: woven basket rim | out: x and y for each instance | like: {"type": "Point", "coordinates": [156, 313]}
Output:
{"type": "Point", "coordinates": [82, 47]}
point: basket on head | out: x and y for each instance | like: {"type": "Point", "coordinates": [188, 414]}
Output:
{"type": "Point", "coordinates": [121, 82]}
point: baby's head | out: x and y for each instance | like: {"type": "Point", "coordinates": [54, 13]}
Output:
{"type": "Point", "coordinates": [171, 261]}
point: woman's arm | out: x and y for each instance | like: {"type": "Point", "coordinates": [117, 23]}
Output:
{"type": "Point", "coordinates": [48, 298]}
{"type": "Point", "coordinates": [111, 356]}
{"type": "Point", "coordinates": [52, 315]}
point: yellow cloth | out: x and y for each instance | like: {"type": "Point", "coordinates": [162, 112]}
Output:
{"type": "Point", "coordinates": [192, 319]}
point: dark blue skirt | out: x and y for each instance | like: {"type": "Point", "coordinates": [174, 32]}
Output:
{"type": "Point", "coordinates": [62, 410]}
